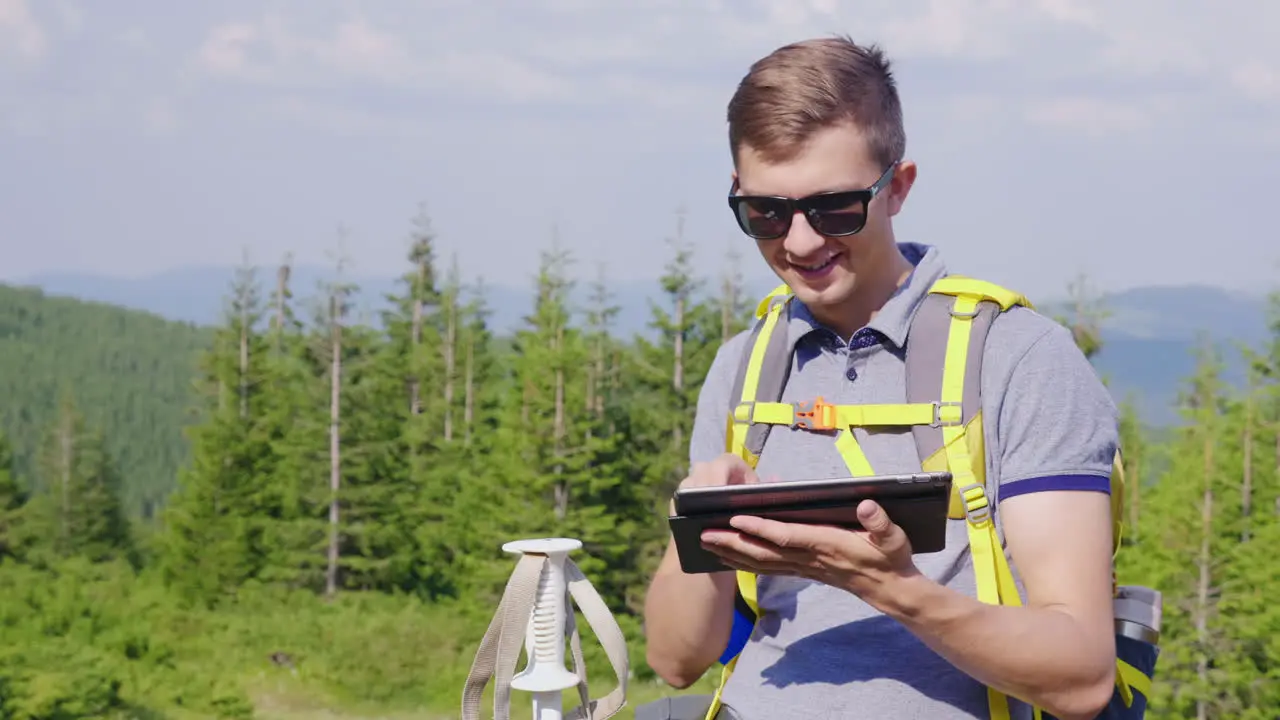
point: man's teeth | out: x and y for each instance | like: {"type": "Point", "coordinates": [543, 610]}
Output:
{"type": "Point", "coordinates": [818, 266]}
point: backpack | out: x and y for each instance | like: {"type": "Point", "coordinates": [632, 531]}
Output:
{"type": "Point", "coordinates": [943, 366]}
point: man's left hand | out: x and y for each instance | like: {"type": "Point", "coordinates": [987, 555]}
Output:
{"type": "Point", "coordinates": [865, 562]}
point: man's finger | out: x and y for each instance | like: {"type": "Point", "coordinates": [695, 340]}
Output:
{"type": "Point", "coordinates": [735, 470]}
{"type": "Point", "coordinates": [793, 536]}
{"type": "Point", "coordinates": [752, 555]}
{"type": "Point", "coordinates": [754, 546]}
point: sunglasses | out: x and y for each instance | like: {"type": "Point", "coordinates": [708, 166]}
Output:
{"type": "Point", "coordinates": [834, 214]}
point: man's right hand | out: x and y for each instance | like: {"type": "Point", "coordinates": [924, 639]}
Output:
{"type": "Point", "coordinates": [728, 469]}
{"type": "Point", "coordinates": [688, 618]}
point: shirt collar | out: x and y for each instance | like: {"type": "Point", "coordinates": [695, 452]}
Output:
{"type": "Point", "coordinates": [893, 320]}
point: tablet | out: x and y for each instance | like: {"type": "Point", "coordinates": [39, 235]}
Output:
{"type": "Point", "coordinates": [917, 502]}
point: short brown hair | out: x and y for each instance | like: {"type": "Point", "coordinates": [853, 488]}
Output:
{"type": "Point", "coordinates": [806, 86]}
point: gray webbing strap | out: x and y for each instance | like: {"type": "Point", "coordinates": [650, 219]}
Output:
{"type": "Point", "coordinates": [502, 642]}
{"type": "Point", "coordinates": [740, 378]}
{"type": "Point", "coordinates": [500, 646]}
{"type": "Point", "coordinates": [774, 370]}
{"type": "Point", "coordinates": [926, 356]}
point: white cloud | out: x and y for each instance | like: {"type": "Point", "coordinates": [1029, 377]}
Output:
{"type": "Point", "coordinates": [1134, 37]}
{"type": "Point", "coordinates": [1072, 12]}
{"type": "Point", "coordinates": [274, 51]}
{"type": "Point", "coordinates": [159, 116]}
{"type": "Point", "coordinates": [1257, 81]}
{"type": "Point", "coordinates": [224, 50]}
{"type": "Point", "coordinates": [1083, 66]}
{"type": "Point", "coordinates": [21, 35]}
{"type": "Point", "coordinates": [69, 14]}
{"type": "Point", "coordinates": [1089, 115]}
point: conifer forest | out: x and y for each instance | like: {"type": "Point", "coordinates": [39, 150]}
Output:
{"type": "Point", "coordinates": [300, 512]}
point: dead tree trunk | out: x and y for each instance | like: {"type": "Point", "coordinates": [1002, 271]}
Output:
{"type": "Point", "coordinates": [677, 370]}
{"type": "Point", "coordinates": [601, 379]}
{"type": "Point", "coordinates": [282, 287]}
{"type": "Point", "coordinates": [415, 339]}
{"type": "Point", "coordinates": [450, 353]}
{"type": "Point", "coordinates": [730, 295]}
{"type": "Point", "coordinates": [468, 403]}
{"type": "Point", "coordinates": [1204, 566]}
{"type": "Point", "coordinates": [66, 447]}
{"type": "Point", "coordinates": [562, 485]}
{"type": "Point", "coordinates": [244, 360]}
{"type": "Point", "coordinates": [1246, 481]}
{"type": "Point", "coordinates": [335, 454]}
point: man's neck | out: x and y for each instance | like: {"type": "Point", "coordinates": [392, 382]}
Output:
{"type": "Point", "coordinates": [872, 293]}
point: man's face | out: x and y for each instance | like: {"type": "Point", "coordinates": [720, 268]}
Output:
{"type": "Point", "coordinates": [825, 271]}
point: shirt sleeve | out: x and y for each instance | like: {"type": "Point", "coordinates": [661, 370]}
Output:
{"type": "Point", "coordinates": [1057, 425]}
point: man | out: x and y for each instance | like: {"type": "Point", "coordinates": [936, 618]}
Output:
{"type": "Point", "coordinates": [852, 624]}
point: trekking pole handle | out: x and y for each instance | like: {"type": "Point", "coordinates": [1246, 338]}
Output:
{"type": "Point", "coordinates": [545, 675]}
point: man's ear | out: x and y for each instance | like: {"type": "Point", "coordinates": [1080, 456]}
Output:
{"type": "Point", "coordinates": [904, 178]}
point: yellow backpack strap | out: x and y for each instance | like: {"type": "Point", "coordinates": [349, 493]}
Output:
{"type": "Point", "coordinates": [933, 339]}
{"type": "Point", "coordinates": [1118, 497]}
{"type": "Point", "coordinates": [960, 285]}
{"type": "Point", "coordinates": [762, 376]}
{"type": "Point", "coordinates": [944, 365]}
{"type": "Point", "coordinates": [782, 292]}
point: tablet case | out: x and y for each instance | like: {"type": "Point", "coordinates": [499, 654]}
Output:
{"type": "Point", "coordinates": [922, 517]}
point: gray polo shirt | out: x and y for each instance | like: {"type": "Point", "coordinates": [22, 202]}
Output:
{"type": "Point", "coordinates": [1050, 424]}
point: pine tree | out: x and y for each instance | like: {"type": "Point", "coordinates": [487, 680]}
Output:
{"type": "Point", "coordinates": [1085, 316]}
{"type": "Point", "coordinates": [291, 426]}
{"type": "Point", "coordinates": [600, 316]}
{"type": "Point", "coordinates": [451, 309]}
{"type": "Point", "coordinates": [482, 389]}
{"type": "Point", "coordinates": [736, 309]}
{"type": "Point", "coordinates": [467, 505]}
{"type": "Point", "coordinates": [411, 501]}
{"type": "Point", "coordinates": [213, 522]}
{"type": "Point", "coordinates": [13, 497]}
{"type": "Point", "coordinates": [331, 341]}
{"type": "Point", "coordinates": [662, 392]}
{"type": "Point", "coordinates": [78, 511]}
{"type": "Point", "coordinates": [1183, 555]}
{"type": "Point", "coordinates": [1133, 448]}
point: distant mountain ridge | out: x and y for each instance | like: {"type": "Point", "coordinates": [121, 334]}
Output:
{"type": "Point", "coordinates": [1148, 339]}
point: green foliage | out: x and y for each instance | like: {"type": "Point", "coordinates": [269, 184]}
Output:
{"type": "Point", "coordinates": [277, 519]}
{"type": "Point", "coordinates": [12, 499]}
{"type": "Point", "coordinates": [129, 371]}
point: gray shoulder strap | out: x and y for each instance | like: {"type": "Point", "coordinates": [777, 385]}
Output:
{"type": "Point", "coordinates": [926, 355]}
{"type": "Point", "coordinates": [774, 371]}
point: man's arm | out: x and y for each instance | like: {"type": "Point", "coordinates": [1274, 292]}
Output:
{"type": "Point", "coordinates": [1056, 436]}
{"type": "Point", "coordinates": [1058, 650]}
{"type": "Point", "coordinates": [688, 619]}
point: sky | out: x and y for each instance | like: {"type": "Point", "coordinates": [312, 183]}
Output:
{"type": "Point", "coordinates": [1136, 142]}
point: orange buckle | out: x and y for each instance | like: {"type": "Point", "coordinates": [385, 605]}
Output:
{"type": "Point", "coordinates": [816, 414]}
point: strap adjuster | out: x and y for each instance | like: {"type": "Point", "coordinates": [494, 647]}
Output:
{"type": "Point", "coordinates": [954, 414]}
{"type": "Point", "coordinates": [816, 414]}
{"type": "Point", "coordinates": [977, 508]}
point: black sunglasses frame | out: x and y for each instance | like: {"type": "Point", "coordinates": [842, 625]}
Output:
{"type": "Point", "coordinates": [814, 207]}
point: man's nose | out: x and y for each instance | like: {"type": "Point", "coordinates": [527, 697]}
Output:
{"type": "Point", "coordinates": [802, 239]}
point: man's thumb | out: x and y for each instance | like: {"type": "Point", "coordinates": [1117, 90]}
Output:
{"type": "Point", "coordinates": [874, 519]}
